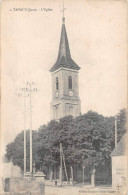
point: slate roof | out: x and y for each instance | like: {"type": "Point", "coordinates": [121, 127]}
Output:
{"type": "Point", "coordinates": [120, 149]}
{"type": "Point", "coordinates": [64, 57]}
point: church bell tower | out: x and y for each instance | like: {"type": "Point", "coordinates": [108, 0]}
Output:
{"type": "Point", "coordinates": [65, 88]}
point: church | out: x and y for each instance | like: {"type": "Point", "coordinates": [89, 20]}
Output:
{"type": "Point", "coordinates": [65, 87]}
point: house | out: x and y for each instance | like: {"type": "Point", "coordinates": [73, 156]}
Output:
{"type": "Point", "coordinates": [8, 171]}
{"type": "Point", "coordinates": [119, 163]}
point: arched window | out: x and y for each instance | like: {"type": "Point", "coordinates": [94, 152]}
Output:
{"type": "Point", "coordinates": [70, 82]}
{"type": "Point", "coordinates": [57, 83]}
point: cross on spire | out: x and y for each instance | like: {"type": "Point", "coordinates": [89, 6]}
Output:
{"type": "Point", "coordinates": [63, 10]}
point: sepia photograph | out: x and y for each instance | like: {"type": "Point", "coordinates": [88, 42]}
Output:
{"type": "Point", "coordinates": [63, 97]}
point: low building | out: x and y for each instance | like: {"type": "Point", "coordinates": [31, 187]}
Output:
{"type": "Point", "coordinates": [8, 171]}
{"type": "Point", "coordinates": [119, 163]}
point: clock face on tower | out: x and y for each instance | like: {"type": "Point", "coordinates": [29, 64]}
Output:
{"type": "Point", "coordinates": [71, 93]}
{"type": "Point", "coordinates": [57, 94]}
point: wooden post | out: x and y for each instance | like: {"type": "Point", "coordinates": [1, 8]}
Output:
{"type": "Point", "coordinates": [115, 131]}
{"type": "Point", "coordinates": [30, 132]}
{"type": "Point", "coordinates": [61, 164]}
{"type": "Point", "coordinates": [64, 165]}
{"type": "Point", "coordinates": [24, 135]}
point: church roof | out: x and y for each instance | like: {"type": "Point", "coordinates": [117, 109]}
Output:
{"type": "Point", "coordinates": [120, 149]}
{"type": "Point", "coordinates": [64, 57]}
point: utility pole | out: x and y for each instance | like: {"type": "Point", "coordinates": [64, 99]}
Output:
{"type": "Point", "coordinates": [31, 89]}
{"type": "Point", "coordinates": [30, 128]}
{"type": "Point", "coordinates": [24, 134]}
{"type": "Point", "coordinates": [24, 95]}
{"type": "Point", "coordinates": [115, 130]}
{"type": "Point", "coordinates": [61, 164]}
{"type": "Point", "coordinates": [28, 92]}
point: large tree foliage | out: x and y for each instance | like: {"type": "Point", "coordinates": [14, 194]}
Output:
{"type": "Point", "coordinates": [121, 123]}
{"type": "Point", "coordinates": [87, 140]}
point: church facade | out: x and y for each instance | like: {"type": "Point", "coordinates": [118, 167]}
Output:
{"type": "Point", "coordinates": [65, 87]}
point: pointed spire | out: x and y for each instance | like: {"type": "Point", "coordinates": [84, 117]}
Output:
{"type": "Point", "coordinates": [64, 56]}
{"type": "Point", "coordinates": [64, 45]}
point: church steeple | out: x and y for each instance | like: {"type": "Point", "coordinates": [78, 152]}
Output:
{"type": "Point", "coordinates": [65, 85]}
{"type": "Point", "coordinates": [64, 45]}
{"type": "Point", "coordinates": [64, 57]}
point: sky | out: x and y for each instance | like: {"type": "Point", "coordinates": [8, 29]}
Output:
{"type": "Point", "coordinates": [97, 37]}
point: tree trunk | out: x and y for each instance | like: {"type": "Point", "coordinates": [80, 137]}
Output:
{"type": "Point", "coordinates": [51, 174]}
{"type": "Point", "coordinates": [93, 177]}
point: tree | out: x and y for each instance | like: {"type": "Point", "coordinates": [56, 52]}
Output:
{"type": "Point", "coordinates": [87, 140]}
{"type": "Point", "coordinates": [14, 151]}
{"type": "Point", "coordinates": [121, 123]}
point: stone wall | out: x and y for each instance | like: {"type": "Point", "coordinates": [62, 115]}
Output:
{"type": "Point", "coordinates": [27, 185]}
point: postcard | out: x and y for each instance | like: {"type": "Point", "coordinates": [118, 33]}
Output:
{"type": "Point", "coordinates": [63, 97]}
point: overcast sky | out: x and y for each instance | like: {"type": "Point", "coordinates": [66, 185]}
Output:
{"type": "Point", "coordinates": [97, 37]}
